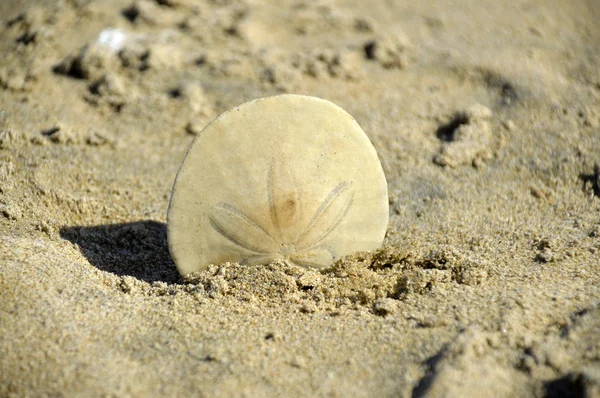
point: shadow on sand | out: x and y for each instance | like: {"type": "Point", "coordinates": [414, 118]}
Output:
{"type": "Point", "coordinates": [137, 249]}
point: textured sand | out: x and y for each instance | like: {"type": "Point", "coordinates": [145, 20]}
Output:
{"type": "Point", "coordinates": [486, 117]}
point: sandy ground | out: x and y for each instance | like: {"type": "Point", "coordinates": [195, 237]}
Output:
{"type": "Point", "coordinates": [486, 117]}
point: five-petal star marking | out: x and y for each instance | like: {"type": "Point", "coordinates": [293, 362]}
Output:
{"type": "Point", "coordinates": [291, 240]}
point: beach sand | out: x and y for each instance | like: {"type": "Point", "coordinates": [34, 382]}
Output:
{"type": "Point", "coordinates": [486, 118]}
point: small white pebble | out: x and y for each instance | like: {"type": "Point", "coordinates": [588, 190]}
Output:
{"type": "Point", "coordinates": [112, 38]}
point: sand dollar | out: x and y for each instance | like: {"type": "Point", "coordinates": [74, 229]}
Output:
{"type": "Point", "coordinates": [288, 177]}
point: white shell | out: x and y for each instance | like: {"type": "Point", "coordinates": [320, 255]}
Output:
{"type": "Point", "coordinates": [288, 177]}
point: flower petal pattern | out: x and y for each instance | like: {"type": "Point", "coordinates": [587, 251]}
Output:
{"type": "Point", "coordinates": [290, 243]}
{"type": "Point", "coordinates": [284, 201]}
{"type": "Point", "coordinates": [328, 216]}
{"type": "Point", "coordinates": [240, 229]}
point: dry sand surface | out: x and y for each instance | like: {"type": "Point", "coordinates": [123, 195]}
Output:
{"type": "Point", "coordinates": [485, 115]}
